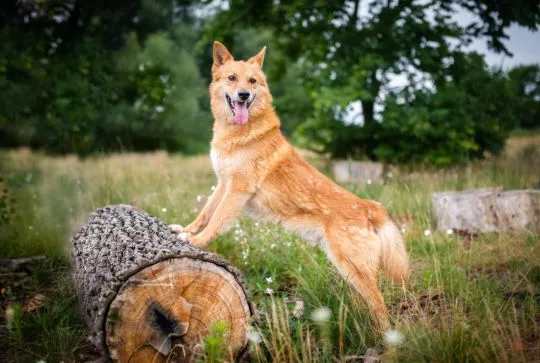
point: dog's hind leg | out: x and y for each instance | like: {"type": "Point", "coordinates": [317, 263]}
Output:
{"type": "Point", "coordinates": [356, 256]}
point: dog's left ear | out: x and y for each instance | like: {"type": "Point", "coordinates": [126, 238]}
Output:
{"type": "Point", "coordinates": [258, 58]}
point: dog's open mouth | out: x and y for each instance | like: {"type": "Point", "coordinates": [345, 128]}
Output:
{"type": "Point", "coordinates": [239, 110]}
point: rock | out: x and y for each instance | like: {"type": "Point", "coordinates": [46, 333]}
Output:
{"type": "Point", "coordinates": [487, 210]}
{"type": "Point", "coordinates": [362, 172]}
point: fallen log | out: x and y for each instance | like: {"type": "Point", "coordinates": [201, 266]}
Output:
{"type": "Point", "coordinates": [148, 296]}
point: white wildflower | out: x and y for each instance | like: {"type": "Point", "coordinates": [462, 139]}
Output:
{"type": "Point", "coordinates": [272, 246]}
{"type": "Point", "coordinates": [393, 337]}
{"type": "Point", "coordinates": [449, 232]}
{"type": "Point", "coordinates": [321, 315]}
{"type": "Point", "coordinates": [245, 254]}
{"type": "Point", "coordinates": [254, 337]}
{"type": "Point", "coordinates": [427, 232]}
{"type": "Point", "coordinates": [269, 280]}
{"type": "Point", "coordinates": [389, 174]}
{"type": "Point", "coordinates": [288, 244]}
{"type": "Point", "coordinates": [269, 291]}
{"type": "Point", "coordinates": [369, 181]}
{"type": "Point", "coordinates": [164, 210]}
{"type": "Point", "coordinates": [199, 198]}
{"type": "Point", "coordinates": [159, 109]}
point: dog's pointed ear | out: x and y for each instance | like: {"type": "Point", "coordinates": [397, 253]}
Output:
{"type": "Point", "coordinates": [221, 54]}
{"type": "Point", "coordinates": [258, 59]}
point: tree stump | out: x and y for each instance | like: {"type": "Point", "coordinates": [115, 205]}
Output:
{"type": "Point", "coordinates": [487, 210]}
{"type": "Point", "coordinates": [148, 296]}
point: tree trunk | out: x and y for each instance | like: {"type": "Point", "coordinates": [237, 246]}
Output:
{"type": "Point", "coordinates": [147, 295]}
{"type": "Point", "coordinates": [367, 111]}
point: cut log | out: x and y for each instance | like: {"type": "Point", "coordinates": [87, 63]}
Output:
{"type": "Point", "coordinates": [362, 172]}
{"type": "Point", "coordinates": [147, 295]}
{"type": "Point", "coordinates": [487, 210]}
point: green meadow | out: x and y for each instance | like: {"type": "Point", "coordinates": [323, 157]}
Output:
{"type": "Point", "coordinates": [470, 298]}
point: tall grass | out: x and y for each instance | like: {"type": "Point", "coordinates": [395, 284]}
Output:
{"type": "Point", "coordinates": [469, 299]}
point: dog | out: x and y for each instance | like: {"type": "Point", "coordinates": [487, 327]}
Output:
{"type": "Point", "coordinates": [260, 173]}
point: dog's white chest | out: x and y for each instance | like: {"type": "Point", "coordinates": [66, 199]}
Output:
{"type": "Point", "coordinates": [225, 164]}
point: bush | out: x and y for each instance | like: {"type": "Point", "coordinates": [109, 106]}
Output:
{"type": "Point", "coordinates": [91, 99]}
{"type": "Point", "coordinates": [471, 112]}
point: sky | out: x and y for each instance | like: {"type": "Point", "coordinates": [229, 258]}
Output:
{"type": "Point", "coordinates": [523, 43]}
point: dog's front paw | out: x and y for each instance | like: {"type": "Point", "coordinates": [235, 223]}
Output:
{"type": "Point", "coordinates": [176, 228]}
{"type": "Point", "coordinates": [185, 236]}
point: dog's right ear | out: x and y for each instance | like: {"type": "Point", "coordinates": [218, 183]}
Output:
{"type": "Point", "coordinates": [221, 54]}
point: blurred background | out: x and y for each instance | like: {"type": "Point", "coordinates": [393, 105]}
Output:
{"type": "Point", "coordinates": [105, 102]}
{"type": "Point", "coordinates": [397, 81]}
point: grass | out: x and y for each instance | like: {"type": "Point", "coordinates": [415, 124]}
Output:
{"type": "Point", "coordinates": [469, 300]}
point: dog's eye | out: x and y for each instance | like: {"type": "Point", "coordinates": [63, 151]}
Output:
{"type": "Point", "coordinates": [232, 78]}
{"type": "Point", "coordinates": [252, 80]}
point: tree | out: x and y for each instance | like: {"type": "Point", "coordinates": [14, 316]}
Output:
{"type": "Point", "coordinates": [351, 49]}
{"type": "Point", "coordinates": [526, 86]}
{"type": "Point", "coordinates": [63, 89]}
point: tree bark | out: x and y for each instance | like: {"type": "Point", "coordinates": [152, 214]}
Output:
{"type": "Point", "coordinates": [368, 111]}
{"type": "Point", "coordinates": [145, 294]}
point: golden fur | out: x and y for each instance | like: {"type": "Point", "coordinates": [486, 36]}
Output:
{"type": "Point", "coordinates": [260, 173]}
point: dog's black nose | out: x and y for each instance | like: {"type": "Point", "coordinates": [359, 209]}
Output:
{"type": "Point", "coordinates": [243, 94]}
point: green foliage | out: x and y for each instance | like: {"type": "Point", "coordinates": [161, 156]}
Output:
{"type": "Point", "coordinates": [526, 86]}
{"type": "Point", "coordinates": [85, 77]}
{"type": "Point", "coordinates": [349, 55]}
{"type": "Point", "coordinates": [7, 203]}
{"type": "Point", "coordinates": [66, 94]}
{"type": "Point", "coordinates": [164, 91]}
{"type": "Point", "coordinates": [14, 323]}
{"type": "Point", "coordinates": [470, 298]}
{"type": "Point", "coordinates": [470, 111]}
{"type": "Point", "coordinates": [462, 119]}
{"type": "Point", "coordinates": [215, 344]}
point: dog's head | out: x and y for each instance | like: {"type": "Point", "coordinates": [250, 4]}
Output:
{"type": "Point", "coordinates": [238, 91]}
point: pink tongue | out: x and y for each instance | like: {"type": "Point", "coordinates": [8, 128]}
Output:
{"type": "Point", "coordinates": [240, 113]}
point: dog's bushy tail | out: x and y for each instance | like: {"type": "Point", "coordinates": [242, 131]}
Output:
{"type": "Point", "coordinates": [394, 258]}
